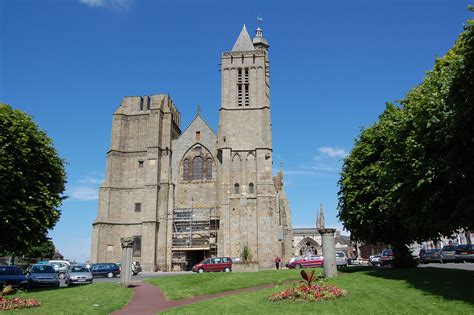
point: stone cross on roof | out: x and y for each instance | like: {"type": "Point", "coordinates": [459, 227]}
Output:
{"type": "Point", "coordinates": [243, 43]}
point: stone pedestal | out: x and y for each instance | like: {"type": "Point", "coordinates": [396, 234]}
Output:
{"type": "Point", "coordinates": [126, 272]}
{"type": "Point", "coordinates": [329, 250]}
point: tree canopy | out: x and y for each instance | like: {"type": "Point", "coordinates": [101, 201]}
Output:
{"type": "Point", "coordinates": [32, 180]}
{"type": "Point", "coordinates": [410, 176]}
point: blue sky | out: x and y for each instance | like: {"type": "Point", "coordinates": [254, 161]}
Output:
{"type": "Point", "coordinates": [334, 64]}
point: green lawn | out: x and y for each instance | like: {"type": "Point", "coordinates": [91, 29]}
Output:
{"type": "Point", "coordinates": [412, 291]}
{"type": "Point", "coordinates": [185, 286]}
{"type": "Point", "coordinates": [77, 300]}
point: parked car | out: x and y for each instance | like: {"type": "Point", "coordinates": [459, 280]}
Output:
{"type": "Point", "coordinates": [136, 267]}
{"type": "Point", "coordinates": [109, 270]}
{"type": "Point", "coordinates": [386, 257]}
{"type": "Point", "coordinates": [430, 255]}
{"type": "Point", "coordinates": [374, 260]}
{"type": "Point", "coordinates": [214, 264]}
{"type": "Point", "coordinates": [12, 275]}
{"type": "Point", "coordinates": [448, 253]}
{"type": "Point", "coordinates": [79, 274]}
{"type": "Point", "coordinates": [61, 267]}
{"type": "Point", "coordinates": [341, 259]}
{"type": "Point", "coordinates": [465, 252]}
{"type": "Point", "coordinates": [307, 262]}
{"type": "Point", "coordinates": [42, 275]}
{"type": "Point", "coordinates": [292, 259]}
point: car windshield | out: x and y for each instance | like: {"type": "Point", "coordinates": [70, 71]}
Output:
{"type": "Point", "coordinates": [387, 252]}
{"type": "Point", "coordinates": [79, 269]}
{"type": "Point", "coordinates": [340, 255]}
{"type": "Point", "coordinates": [42, 269]}
{"type": "Point", "coordinates": [9, 271]}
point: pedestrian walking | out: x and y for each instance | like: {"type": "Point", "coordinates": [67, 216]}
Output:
{"type": "Point", "coordinates": [277, 262]}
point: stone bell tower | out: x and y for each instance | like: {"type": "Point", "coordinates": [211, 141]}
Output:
{"type": "Point", "coordinates": [249, 215]}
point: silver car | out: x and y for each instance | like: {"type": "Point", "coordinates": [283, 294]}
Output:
{"type": "Point", "coordinates": [42, 275]}
{"type": "Point", "coordinates": [341, 259]}
{"type": "Point", "coordinates": [79, 274]}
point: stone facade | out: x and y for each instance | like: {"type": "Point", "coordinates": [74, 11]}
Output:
{"type": "Point", "coordinates": [307, 241]}
{"type": "Point", "coordinates": [188, 195]}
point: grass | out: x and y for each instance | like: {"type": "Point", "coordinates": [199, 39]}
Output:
{"type": "Point", "coordinates": [77, 300]}
{"type": "Point", "coordinates": [411, 291]}
{"type": "Point", "coordinates": [185, 286]}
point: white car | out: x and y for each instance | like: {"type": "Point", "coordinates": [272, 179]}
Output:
{"type": "Point", "coordinates": [61, 267]}
{"type": "Point", "coordinates": [341, 259]}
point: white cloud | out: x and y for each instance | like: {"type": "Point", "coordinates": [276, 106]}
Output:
{"type": "Point", "coordinates": [93, 3]}
{"type": "Point", "coordinates": [333, 152]}
{"type": "Point", "coordinates": [110, 4]}
{"type": "Point", "coordinates": [91, 179]}
{"type": "Point", "coordinates": [83, 193]}
{"type": "Point", "coordinates": [325, 168]}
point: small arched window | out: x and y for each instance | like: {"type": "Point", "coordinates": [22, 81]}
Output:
{"type": "Point", "coordinates": [251, 188]}
{"type": "Point", "coordinates": [197, 167]}
{"type": "Point", "coordinates": [209, 169]}
{"type": "Point", "coordinates": [186, 170]}
{"type": "Point", "coordinates": [237, 189]}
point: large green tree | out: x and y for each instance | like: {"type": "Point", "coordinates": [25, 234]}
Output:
{"type": "Point", "coordinates": [43, 250]}
{"type": "Point", "coordinates": [32, 180]}
{"type": "Point", "coordinates": [410, 176]}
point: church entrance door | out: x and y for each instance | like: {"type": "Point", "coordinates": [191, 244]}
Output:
{"type": "Point", "coordinates": [195, 256]}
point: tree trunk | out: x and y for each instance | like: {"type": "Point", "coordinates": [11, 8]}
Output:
{"type": "Point", "coordinates": [403, 257]}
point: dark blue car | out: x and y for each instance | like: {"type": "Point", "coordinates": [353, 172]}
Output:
{"type": "Point", "coordinates": [109, 270]}
{"type": "Point", "coordinates": [12, 275]}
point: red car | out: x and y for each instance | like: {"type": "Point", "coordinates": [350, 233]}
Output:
{"type": "Point", "coordinates": [214, 264]}
{"type": "Point", "coordinates": [386, 257]}
{"type": "Point", "coordinates": [307, 262]}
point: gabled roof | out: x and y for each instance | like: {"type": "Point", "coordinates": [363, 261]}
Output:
{"type": "Point", "coordinates": [196, 120]}
{"type": "Point", "coordinates": [243, 43]}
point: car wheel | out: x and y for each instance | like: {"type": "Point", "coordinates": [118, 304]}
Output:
{"type": "Point", "coordinates": [298, 266]}
{"type": "Point", "coordinates": [227, 269]}
{"type": "Point", "coordinates": [110, 275]}
{"type": "Point", "coordinates": [61, 276]}
{"type": "Point", "coordinates": [201, 270]}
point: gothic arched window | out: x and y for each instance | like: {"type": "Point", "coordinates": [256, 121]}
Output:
{"type": "Point", "coordinates": [236, 189]}
{"type": "Point", "coordinates": [197, 167]}
{"type": "Point", "coordinates": [209, 168]}
{"type": "Point", "coordinates": [251, 188]}
{"type": "Point", "coordinates": [186, 170]}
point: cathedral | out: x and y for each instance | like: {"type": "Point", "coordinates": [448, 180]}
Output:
{"type": "Point", "coordinates": [188, 195]}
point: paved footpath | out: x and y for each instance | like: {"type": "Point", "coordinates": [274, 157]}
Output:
{"type": "Point", "coordinates": [149, 299]}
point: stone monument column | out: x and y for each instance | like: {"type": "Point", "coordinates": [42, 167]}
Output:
{"type": "Point", "coordinates": [329, 250]}
{"type": "Point", "coordinates": [126, 272]}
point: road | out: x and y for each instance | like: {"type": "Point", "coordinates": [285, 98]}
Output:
{"type": "Point", "coordinates": [462, 266]}
{"type": "Point", "coordinates": [143, 276]}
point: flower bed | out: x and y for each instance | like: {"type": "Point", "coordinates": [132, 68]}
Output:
{"type": "Point", "coordinates": [304, 293]}
{"type": "Point", "coordinates": [308, 292]}
{"type": "Point", "coordinates": [17, 303]}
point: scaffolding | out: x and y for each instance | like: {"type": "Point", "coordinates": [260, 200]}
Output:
{"type": "Point", "coordinates": [194, 229]}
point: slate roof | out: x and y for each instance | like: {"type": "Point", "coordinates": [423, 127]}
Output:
{"type": "Point", "coordinates": [243, 43]}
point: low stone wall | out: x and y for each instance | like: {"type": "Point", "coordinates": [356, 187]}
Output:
{"type": "Point", "coordinates": [239, 267]}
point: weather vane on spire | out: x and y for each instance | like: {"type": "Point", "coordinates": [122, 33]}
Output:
{"type": "Point", "coordinates": [198, 110]}
{"type": "Point", "coordinates": [259, 20]}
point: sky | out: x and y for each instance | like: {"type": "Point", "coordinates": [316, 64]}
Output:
{"type": "Point", "coordinates": [334, 65]}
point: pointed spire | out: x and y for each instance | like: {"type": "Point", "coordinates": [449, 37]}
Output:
{"type": "Point", "coordinates": [243, 43]}
{"type": "Point", "coordinates": [320, 218]}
